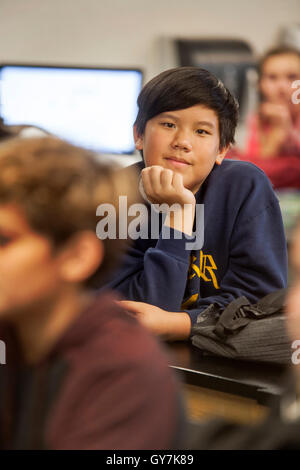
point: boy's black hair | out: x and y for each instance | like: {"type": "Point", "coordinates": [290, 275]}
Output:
{"type": "Point", "coordinates": [183, 87]}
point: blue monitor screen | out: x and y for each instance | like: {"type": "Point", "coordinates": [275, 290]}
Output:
{"type": "Point", "coordinates": [93, 108]}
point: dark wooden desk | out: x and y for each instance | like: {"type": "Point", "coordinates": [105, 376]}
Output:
{"type": "Point", "coordinates": [227, 388]}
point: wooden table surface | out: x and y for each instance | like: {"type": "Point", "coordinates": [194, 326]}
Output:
{"type": "Point", "coordinates": [222, 387]}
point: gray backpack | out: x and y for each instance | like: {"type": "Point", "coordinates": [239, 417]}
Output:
{"type": "Point", "coordinates": [254, 332]}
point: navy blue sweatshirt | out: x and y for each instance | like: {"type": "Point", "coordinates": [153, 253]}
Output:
{"type": "Point", "coordinates": [244, 250]}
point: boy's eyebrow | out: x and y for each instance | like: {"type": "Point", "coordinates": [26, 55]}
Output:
{"type": "Point", "coordinates": [198, 123]}
{"type": "Point", "coordinates": [205, 123]}
{"type": "Point", "coordinates": [168, 115]}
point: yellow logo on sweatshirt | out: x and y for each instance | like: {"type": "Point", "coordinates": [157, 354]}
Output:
{"type": "Point", "coordinates": [205, 271]}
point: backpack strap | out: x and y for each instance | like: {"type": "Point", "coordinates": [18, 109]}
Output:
{"type": "Point", "coordinates": [233, 318]}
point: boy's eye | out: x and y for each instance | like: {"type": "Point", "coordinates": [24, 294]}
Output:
{"type": "Point", "coordinates": [202, 132]}
{"type": "Point", "coordinates": [168, 124]}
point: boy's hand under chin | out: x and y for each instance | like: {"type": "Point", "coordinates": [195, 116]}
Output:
{"type": "Point", "coordinates": [164, 186]}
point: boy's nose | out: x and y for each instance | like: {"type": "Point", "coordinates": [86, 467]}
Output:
{"type": "Point", "coordinates": [182, 142]}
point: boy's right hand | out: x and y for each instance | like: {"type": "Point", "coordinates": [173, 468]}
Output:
{"type": "Point", "coordinates": [164, 186]}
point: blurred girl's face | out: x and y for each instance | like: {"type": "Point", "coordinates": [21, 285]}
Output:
{"type": "Point", "coordinates": [278, 74]}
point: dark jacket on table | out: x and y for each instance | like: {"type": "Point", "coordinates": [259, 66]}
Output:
{"type": "Point", "coordinates": [244, 250]}
{"type": "Point", "coordinates": [104, 385]}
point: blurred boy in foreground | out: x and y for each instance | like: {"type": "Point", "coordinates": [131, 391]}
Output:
{"type": "Point", "coordinates": [80, 373]}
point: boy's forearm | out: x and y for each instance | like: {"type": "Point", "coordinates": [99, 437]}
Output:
{"type": "Point", "coordinates": [182, 219]}
{"type": "Point", "coordinates": [179, 327]}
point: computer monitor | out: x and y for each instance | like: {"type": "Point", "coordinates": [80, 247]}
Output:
{"type": "Point", "coordinates": [227, 59]}
{"type": "Point", "coordinates": [91, 107]}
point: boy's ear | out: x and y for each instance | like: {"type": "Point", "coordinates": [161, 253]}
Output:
{"type": "Point", "coordinates": [221, 155]}
{"type": "Point", "coordinates": [138, 139]}
{"type": "Point", "coordinates": [81, 257]}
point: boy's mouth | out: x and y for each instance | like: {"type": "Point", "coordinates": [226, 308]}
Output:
{"type": "Point", "coordinates": [177, 162]}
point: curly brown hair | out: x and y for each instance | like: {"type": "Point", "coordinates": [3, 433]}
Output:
{"type": "Point", "coordinates": [59, 187]}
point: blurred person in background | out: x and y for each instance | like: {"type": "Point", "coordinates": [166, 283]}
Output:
{"type": "Point", "coordinates": [273, 141]}
{"type": "Point", "coordinates": [275, 130]}
{"type": "Point", "coordinates": [80, 373]}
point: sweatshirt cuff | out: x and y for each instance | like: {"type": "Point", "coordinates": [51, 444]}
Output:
{"type": "Point", "coordinates": [193, 314]}
{"type": "Point", "coordinates": [176, 244]}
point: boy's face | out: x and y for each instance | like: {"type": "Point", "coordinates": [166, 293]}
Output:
{"type": "Point", "coordinates": [28, 269]}
{"type": "Point", "coordinates": [185, 141]}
